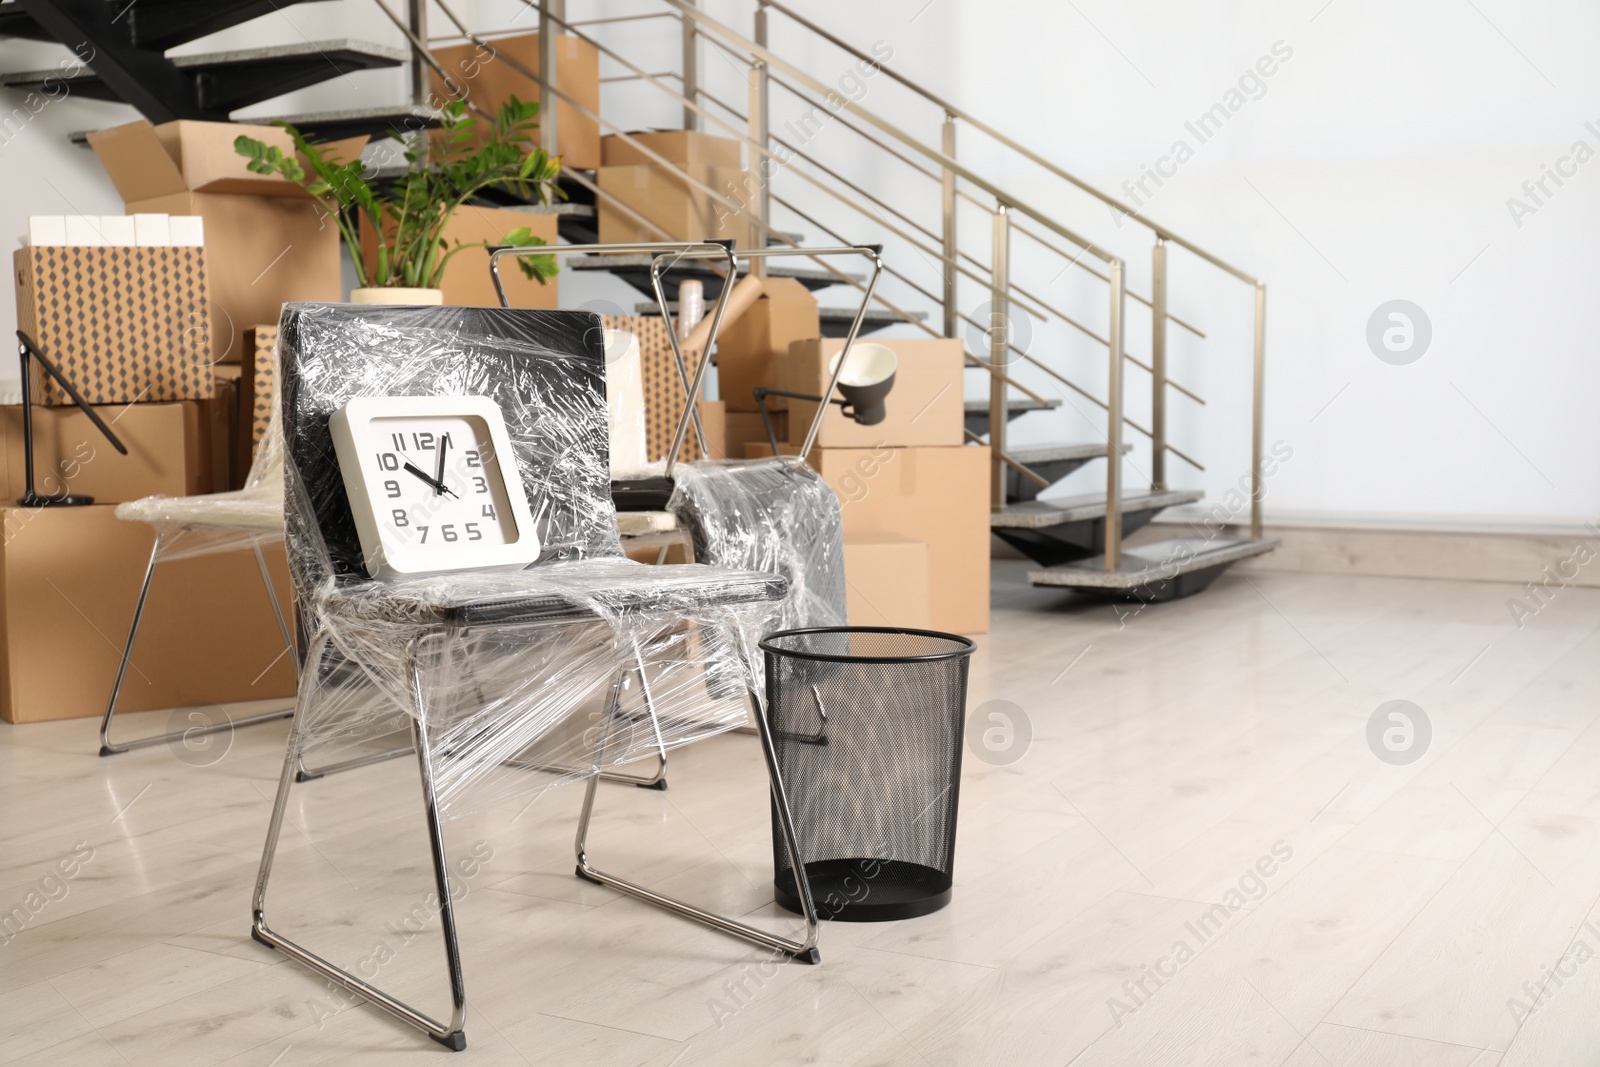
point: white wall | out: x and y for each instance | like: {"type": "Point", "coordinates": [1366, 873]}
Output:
{"type": "Point", "coordinates": [1375, 165]}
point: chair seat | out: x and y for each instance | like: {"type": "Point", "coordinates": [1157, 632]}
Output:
{"type": "Point", "coordinates": [242, 510]}
{"type": "Point", "coordinates": [554, 592]}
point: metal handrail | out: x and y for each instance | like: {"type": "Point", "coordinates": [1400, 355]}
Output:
{"type": "Point", "coordinates": [956, 179]}
{"type": "Point", "coordinates": [1032, 156]}
{"type": "Point", "coordinates": [773, 60]}
{"type": "Point", "coordinates": [739, 135]}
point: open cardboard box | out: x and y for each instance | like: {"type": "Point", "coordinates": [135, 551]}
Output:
{"type": "Point", "coordinates": [267, 241]}
{"type": "Point", "coordinates": [751, 349]}
{"type": "Point", "coordinates": [924, 409]}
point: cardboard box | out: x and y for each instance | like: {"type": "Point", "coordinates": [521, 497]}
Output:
{"type": "Point", "coordinates": [258, 391]}
{"type": "Point", "coordinates": [744, 428]}
{"type": "Point", "coordinates": [489, 80]}
{"type": "Point", "coordinates": [267, 241]}
{"type": "Point", "coordinates": [646, 548]}
{"type": "Point", "coordinates": [663, 195]}
{"type": "Point", "coordinates": [925, 407]}
{"type": "Point", "coordinates": [220, 415]}
{"type": "Point", "coordinates": [169, 452]}
{"type": "Point", "coordinates": [886, 581]}
{"type": "Point", "coordinates": [467, 281]}
{"type": "Point", "coordinates": [936, 495]}
{"type": "Point", "coordinates": [69, 578]}
{"type": "Point", "coordinates": [663, 383]}
{"type": "Point", "coordinates": [123, 324]}
{"type": "Point", "coordinates": [751, 349]}
{"type": "Point", "coordinates": [714, 421]}
{"type": "Point", "coordinates": [675, 146]}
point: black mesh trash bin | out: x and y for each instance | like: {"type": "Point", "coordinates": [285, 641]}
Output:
{"type": "Point", "coordinates": [867, 723]}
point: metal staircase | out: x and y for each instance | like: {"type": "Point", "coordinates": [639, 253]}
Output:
{"type": "Point", "coordinates": [968, 257]}
{"type": "Point", "coordinates": [123, 51]}
{"type": "Point", "coordinates": [1078, 540]}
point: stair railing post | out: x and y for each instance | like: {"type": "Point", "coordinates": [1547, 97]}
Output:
{"type": "Point", "coordinates": [1256, 411]}
{"type": "Point", "coordinates": [948, 193]}
{"type": "Point", "coordinates": [761, 164]}
{"type": "Point", "coordinates": [417, 19]}
{"type": "Point", "coordinates": [691, 69]}
{"type": "Point", "coordinates": [1158, 365]}
{"type": "Point", "coordinates": [548, 71]}
{"type": "Point", "coordinates": [1113, 523]}
{"type": "Point", "coordinates": [998, 331]}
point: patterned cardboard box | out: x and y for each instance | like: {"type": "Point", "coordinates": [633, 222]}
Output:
{"type": "Point", "coordinates": [257, 391]}
{"type": "Point", "coordinates": [124, 324]}
{"type": "Point", "coordinates": [663, 384]}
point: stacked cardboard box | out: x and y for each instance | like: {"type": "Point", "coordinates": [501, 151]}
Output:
{"type": "Point", "coordinates": [635, 183]}
{"type": "Point", "coordinates": [466, 281]}
{"type": "Point", "coordinates": [120, 304]}
{"type": "Point", "coordinates": [488, 76]}
{"type": "Point", "coordinates": [913, 496]}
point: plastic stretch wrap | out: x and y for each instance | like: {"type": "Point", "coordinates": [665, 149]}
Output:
{"type": "Point", "coordinates": [189, 526]}
{"type": "Point", "coordinates": [774, 515]}
{"type": "Point", "coordinates": [521, 678]}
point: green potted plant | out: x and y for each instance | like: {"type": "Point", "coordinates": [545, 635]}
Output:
{"type": "Point", "coordinates": [407, 217]}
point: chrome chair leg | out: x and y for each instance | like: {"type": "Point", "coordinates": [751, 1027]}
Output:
{"type": "Point", "coordinates": [311, 774]}
{"type": "Point", "coordinates": [659, 779]}
{"type": "Point", "coordinates": [452, 1035]}
{"type": "Point", "coordinates": [107, 747]}
{"type": "Point", "coordinates": [805, 951]}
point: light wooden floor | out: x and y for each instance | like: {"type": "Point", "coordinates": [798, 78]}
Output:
{"type": "Point", "coordinates": [1173, 752]}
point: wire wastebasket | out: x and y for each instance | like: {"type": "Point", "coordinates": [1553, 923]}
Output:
{"type": "Point", "coordinates": [867, 724]}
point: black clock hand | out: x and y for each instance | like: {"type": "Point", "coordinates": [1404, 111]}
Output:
{"type": "Point", "coordinates": [437, 487]}
{"type": "Point", "coordinates": [444, 443]}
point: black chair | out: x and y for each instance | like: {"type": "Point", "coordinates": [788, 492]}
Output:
{"type": "Point", "coordinates": [493, 671]}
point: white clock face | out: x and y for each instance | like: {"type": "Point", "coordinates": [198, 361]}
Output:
{"type": "Point", "coordinates": [433, 484]}
{"type": "Point", "coordinates": [441, 482]}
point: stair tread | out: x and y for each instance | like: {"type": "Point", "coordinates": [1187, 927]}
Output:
{"type": "Point", "coordinates": [883, 315]}
{"type": "Point", "coordinates": [642, 261]}
{"type": "Point", "coordinates": [1139, 565]}
{"type": "Point", "coordinates": [315, 120]}
{"type": "Point", "coordinates": [980, 405]}
{"type": "Point", "coordinates": [1040, 514]}
{"type": "Point", "coordinates": [343, 49]}
{"type": "Point", "coordinates": [1056, 452]}
{"type": "Point", "coordinates": [16, 22]}
{"type": "Point", "coordinates": [345, 46]}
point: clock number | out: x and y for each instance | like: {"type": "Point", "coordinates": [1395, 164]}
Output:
{"type": "Point", "coordinates": [389, 461]}
{"type": "Point", "coordinates": [424, 530]}
{"type": "Point", "coordinates": [448, 532]}
{"type": "Point", "coordinates": [488, 512]}
{"type": "Point", "coordinates": [400, 517]}
{"type": "Point", "coordinates": [423, 440]}
{"type": "Point", "coordinates": [472, 532]}
{"type": "Point", "coordinates": [399, 440]}
{"type": "Point", "coordinates": [483, 486]}
{"type": "Point", "coordinates": [473, 460]}
{"type": "Point", "coordinates": [392, 487]}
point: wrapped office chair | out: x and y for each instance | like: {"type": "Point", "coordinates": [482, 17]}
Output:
{"type": "Point", "coordinates": [494, 670]}
{"type": "Point", "coordinates": [191, 526]}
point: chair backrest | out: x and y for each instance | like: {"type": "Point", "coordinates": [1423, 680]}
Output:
{"type": "Point", "coordinates": [546, 370]}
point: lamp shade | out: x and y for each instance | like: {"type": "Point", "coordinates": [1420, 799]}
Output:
{"type": "Point", "coordinates": [866, 380]}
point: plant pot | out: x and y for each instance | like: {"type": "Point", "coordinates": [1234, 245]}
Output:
{"type": "Point", "coordinates": [395, 294]}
